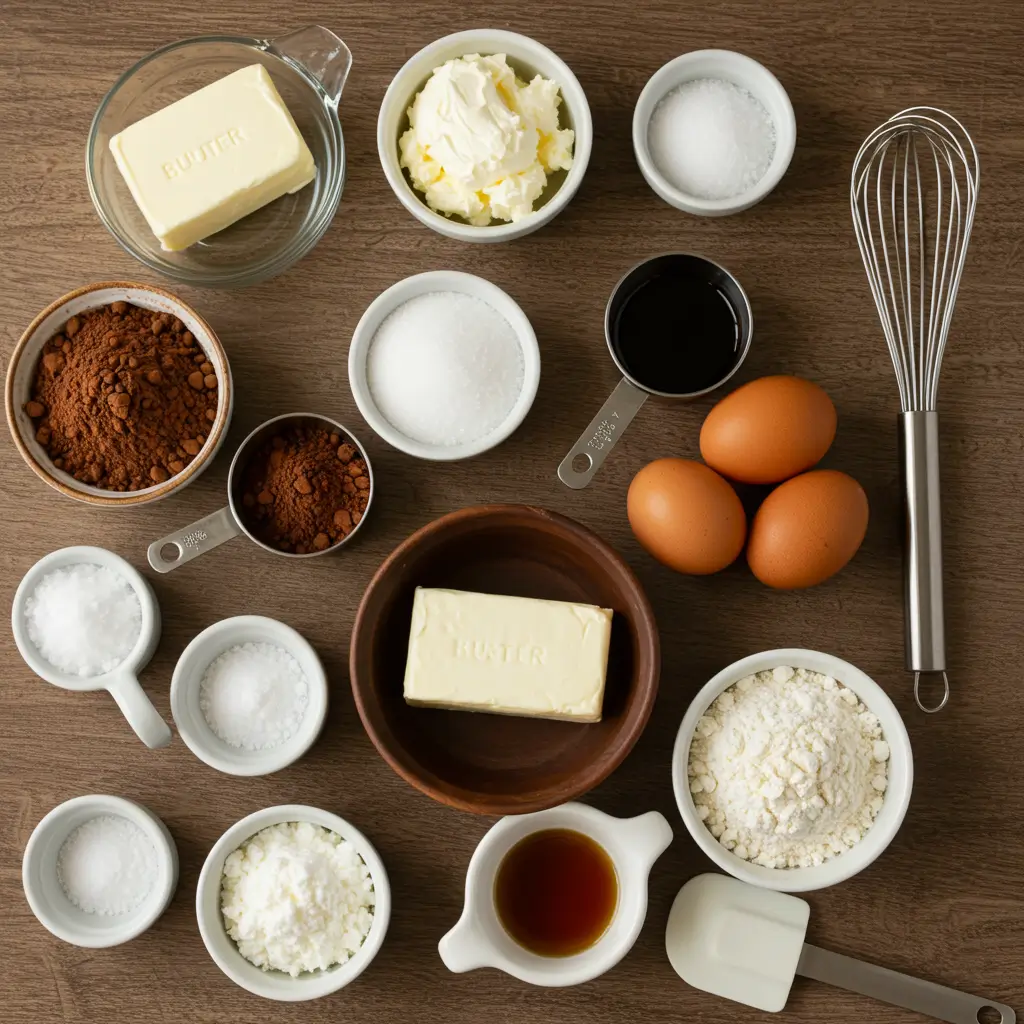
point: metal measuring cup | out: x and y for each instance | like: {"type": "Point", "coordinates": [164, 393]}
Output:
{"type": "Point", "coordinates": [585, 458]}
{"type": "Point", "coordinates": [227, 523]}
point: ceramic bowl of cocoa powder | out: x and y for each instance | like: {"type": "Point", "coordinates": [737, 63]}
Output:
{"type": "Point", "coordinates": [118, 394]}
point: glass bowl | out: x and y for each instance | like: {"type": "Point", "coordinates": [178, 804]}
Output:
{"type": "Point", "coordinates": [309, 68]}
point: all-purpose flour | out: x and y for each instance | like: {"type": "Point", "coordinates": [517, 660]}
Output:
{"type": "Point", "coordinates": [788, 768]}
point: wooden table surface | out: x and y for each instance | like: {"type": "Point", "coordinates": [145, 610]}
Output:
{"type": "Point", "coordinates": [946, 901]}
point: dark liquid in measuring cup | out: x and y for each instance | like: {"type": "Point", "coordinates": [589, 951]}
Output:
{"type": "Point", "coordinates": [556, 892]}
{"type": "Point", "coordinates": [677, 332]}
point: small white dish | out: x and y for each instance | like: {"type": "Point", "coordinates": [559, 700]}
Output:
{"type": "Point", "coordinates": [421, 284]}
{"type": "Point", "coordinates": [480, 940]}
{"type": "Point", "coordinates": [897, 795]}
{"type": "Point", "coordinates": [122, 682]}
{"type": "Point", "coordinates": [731, 67]}
{"type": "Point", "coordinates": [22, 369]}
{"type": "Point", "coordinates": [528, 58]}
{"type": "Point", "coordinates": [277, 984]}
{"type": "Point", "coordinates": [46, 897]}
{"type": "Point", "coordinates": [191, 722]}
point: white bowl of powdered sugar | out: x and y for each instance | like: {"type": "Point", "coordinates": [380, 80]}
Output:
{"type": "Point", "coordinates": [444, 365]}
{"type": "Point", "coordinates": [792, 770]}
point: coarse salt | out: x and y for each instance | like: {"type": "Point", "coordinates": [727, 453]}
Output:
{"type": "Point", "coordinates": [84, 619]}
{"type": "Point", "coordinates": [788, 768]}
{"type": "Point", "coordinates": [297, 897]}
{"type": "Point", "coordinates": [445, 368]}
{"type": "Point", "coordinates": [107, 866]}
{"type": "Point", "coordinates": [254, 696]}
{"type": "Point", "coordinates": [711, 139]}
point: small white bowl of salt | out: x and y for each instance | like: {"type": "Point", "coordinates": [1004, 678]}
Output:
{"type": "Point", "coordinates": [444, 365]}
{"type": "Point", "coordinates": [249, 695]}
{"type": "Point", "coordinates": [99, 870]}
{"type": "Point", "coordinates": [84, 619]}
{"type": "Point", "coordinates": [713, 132]}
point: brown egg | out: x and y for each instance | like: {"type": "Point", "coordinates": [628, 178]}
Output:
{"type": "Point", "coordinates": [768, 430]}
{"type": "Point", "coordinates": [686, 515]}
{"type": "Point", "coordinates": [807, 529]}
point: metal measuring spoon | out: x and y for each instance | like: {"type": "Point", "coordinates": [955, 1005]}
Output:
{"type": "Point", "coordinates": [228, 523]}
{"type": "Point", "coordinates": [657, 353]}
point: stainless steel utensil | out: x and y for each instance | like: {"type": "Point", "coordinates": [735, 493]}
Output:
{"type": "Point", "coordinates": [913, 192]}
{"type": "Point", "coordinates": [229, 522]}
{"type": "Point", "coordinates": [745, 943]}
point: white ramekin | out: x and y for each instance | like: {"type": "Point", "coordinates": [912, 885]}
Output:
{"type": "Point", "coordinates": [529, 58]}
{"type": "Point", "coordinates": [742, 71]}
{"type": "Point", "coordinates": [122, 681]}
{"type": "Point", "coordinates": [480, 940]}
{"type": "Point", "coordinates": [421, 284]}
{"type": "Point", "coordinates": [46, 897]}
{"type": "Point", "coordinates": [276, 984]}
{"type": "Point", "coordinates": [897, 796]}
{"type": "Point", "coordinates": [189, 717]}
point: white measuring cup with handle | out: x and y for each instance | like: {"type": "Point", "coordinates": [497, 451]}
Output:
{"type": "Point", "coordinates": [121, 681]}
{"type": "Point", "coordinates": [747, 944]}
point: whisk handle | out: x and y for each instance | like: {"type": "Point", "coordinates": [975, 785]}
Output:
{"type": "Point", "coordinates": [925, 626]}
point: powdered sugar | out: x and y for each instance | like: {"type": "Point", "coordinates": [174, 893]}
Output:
{"type": "Point", "coordinates": [788, 768]}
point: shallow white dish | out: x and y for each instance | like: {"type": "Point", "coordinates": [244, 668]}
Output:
{"type": "Point", "coordinates": [480, 940]}
{"type": "Point", "coordinates": [528, 58]}
{"type": "Point", "coordinates": [276, 984]}
{"type": "Point", "coordinates": [731, 67]}
{"type": "Point", "coordinates": [400, 293]}
{"type": "Point", "coordinates": [897, 796]}
{"type": "Point", "coordinates": [121, 682]}
{"type": "Point", "coordinates": [46, 897]}
{"type": "Point", "coordinates": [191, 722]}
{"type": "Point", "coordinates": [22, 368]}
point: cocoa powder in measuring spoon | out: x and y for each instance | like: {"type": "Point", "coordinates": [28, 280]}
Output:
{"type": "Point", "coordinates": [304, 489]}
{"type": "Point", "coordinates": [123, 398]}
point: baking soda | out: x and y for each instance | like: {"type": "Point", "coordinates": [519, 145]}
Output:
{"type": "Point", "coordinates": [711, 139]}
{"type": "Point", "coordinates": [445, 369]}
{"type": "Point", "coordinates": [107, 866]}
{"type": "Point", "coordinates": [254, 696]}
{"type": "Point", "coordinates": [84, 619]}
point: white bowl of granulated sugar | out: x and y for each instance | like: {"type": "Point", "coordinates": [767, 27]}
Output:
{"type": "Point", "coordinates": [293, 903]}
{"type": "Point", "coordinates": [444, 365]}
{"type": "Point", "coordinates": [792, 770]}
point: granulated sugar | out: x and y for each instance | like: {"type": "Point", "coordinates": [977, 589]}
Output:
{"type": "Point", "coordinates": [445, 368]}
{"type": "Point", "coordinates": [711, 139]}
{"type": "Point", "coordinates": [84, 619]}
{"type": "Point", "coordinates": [254, 696]}
{"type": "Point", "coordinates": [107, 866]}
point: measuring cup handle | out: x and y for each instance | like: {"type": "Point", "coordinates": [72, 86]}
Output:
{"type": "Point", "coordinates": [321, 53]}
{"type": "Point", "coordinates": [897, 989]}
{"type": "Point", "coordinates": [139, 710]}
{"type": "Point", "coordinates": [201, 536]}
{"type": "Point", "coordinates": [601, 434]}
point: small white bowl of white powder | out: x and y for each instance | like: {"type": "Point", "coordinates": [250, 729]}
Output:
{"type": "Point", "coordinates": [249, 695]}
{"type": "Point", "coordinates": [444, 365]}
{"type": "Point", "coordinates": [713, 132]}
{"type": "Point", "coordinates": [293, 903]}
{"type": "Point", "coordinates": [99, 870]}
{"type": "Point", "coordinates": [792, 770]}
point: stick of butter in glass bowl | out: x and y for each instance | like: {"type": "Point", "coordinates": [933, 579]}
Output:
{"type": "Point", "coordinates": [219, 161]}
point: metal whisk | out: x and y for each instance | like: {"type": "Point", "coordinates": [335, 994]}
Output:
{"type": "Point", "coordinates": [912, 194]}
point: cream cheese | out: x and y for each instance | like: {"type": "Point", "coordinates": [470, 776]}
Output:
{"type": "Point", "coordinates": [481, 142]}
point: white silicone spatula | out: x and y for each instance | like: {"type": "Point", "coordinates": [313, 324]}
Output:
{"type": "Point", "coordinates": [747, 944]}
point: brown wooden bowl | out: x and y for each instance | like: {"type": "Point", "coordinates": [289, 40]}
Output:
{"type": "Point", "coordinates": [497, 764]}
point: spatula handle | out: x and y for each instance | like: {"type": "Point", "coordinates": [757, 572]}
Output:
{"type": "Point", "coordinates": [897, 989]}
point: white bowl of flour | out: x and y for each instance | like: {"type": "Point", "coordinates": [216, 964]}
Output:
{"type": "Point", "coordinates": [792, 770]}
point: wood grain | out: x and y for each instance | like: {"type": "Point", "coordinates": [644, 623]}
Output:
{"type": "Point", "coordinates": [946, 902]}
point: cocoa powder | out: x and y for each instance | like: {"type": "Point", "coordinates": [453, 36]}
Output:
{"type": "Point", "coordinates": [304, 489]}
{"type": "Point", "coordinates": [123, 397]}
